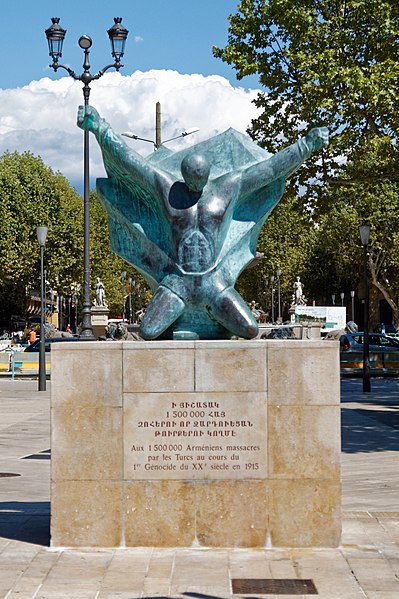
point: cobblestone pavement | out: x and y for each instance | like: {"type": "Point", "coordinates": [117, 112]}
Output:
{"type": "Point", "coordinates": [366, 565]}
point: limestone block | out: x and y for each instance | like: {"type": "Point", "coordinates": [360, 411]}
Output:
{"type": "Point", "coordinates": [232, 513]}
{"type": "Point", "coordinates": [149, 367]}
{"type": "Point", "coordinates": [257, 465]}
{"type": "Point", "coordinates": [304, 442]}
{"type": "Point", "coordinates": [86, 514]}
{"type": "Point", "coordinates": [305, 513]}
{"type": "Point", "coordinates": [159, 514]}
{"type": "Point", "coordinates": [303, 372]}
{"type": "Point", "coordinates": [233, 366]}
{"type": "Point", "coordinates": [86, 443]}
{"type": "Point", "coordinates": [87, 374]}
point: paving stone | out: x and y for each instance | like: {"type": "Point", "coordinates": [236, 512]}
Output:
{"type": "Point", "coordinates": [366, 565]}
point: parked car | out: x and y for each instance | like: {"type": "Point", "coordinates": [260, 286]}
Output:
{"type": "Point", "coordinates": [387, 329]}
{"type": "Point", "coordinates": [383, 352]}
{"type": "Point", "coordinates": [34, 347]}
{"type": "Point", "coordinates": [280, 332]}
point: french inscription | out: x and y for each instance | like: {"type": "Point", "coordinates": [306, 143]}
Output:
{"type": "Point", "coordinates": [196, 439]}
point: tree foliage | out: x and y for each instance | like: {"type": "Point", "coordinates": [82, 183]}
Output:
{"type": "Point", "coordinates": [32, 195]}
{"type": "Point", "coordinates": [322, 62]}
{"type": "Point", "coordinates": [332, 63]}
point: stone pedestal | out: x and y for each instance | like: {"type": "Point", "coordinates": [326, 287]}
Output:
{"type": "Point", "coordinates": [99, 320]}
{"type": "Point", "coordinates": [196, 443]}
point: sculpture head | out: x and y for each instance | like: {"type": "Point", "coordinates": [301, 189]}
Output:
{"type": "Point", "coordinates": [195, 170]}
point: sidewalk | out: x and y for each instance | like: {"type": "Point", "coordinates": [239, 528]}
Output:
{"type": "Point", "coordinates": [365, 566]}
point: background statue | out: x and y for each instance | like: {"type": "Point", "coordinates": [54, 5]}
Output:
{"type": "Point", "coordinates": [189, 222]}
{"type": "Point", "coordinates": [298, 298]}
{"type": "Point", "coordinates": [99, 299]}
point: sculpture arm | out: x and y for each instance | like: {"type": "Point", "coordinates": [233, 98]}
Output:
{"type": "Point", "coordinates": [118, 157]}
{"type": "Point", "coordinates": [284, 163]}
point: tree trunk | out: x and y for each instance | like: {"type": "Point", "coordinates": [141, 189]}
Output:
{"type": "Point", "coordinates": [387, 294]}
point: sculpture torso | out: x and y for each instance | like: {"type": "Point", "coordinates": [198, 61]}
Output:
{"type": "Point", "coordinates": [199, 221]}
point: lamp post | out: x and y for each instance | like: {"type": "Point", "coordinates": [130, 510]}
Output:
{"type": "Point", "coordinates": [353, 305]}
{"type": "Point", "coordinates": [130, 282]}
{"type": "Point", "coordinates": [271, 282]}
{"type": "Point", "coordinates": [365, 238]}
{"type": "Point", "coordinates": [123, 277]}
{"type": "Point", "coordinates": [158, 141]}
{"type": "Point", "coordinates": [342, 294]}
{"type": "Point", "coordinates": [278, 273]}
{"type": "Point", "coordinates": [333, 299]}
{"type": "Point", "coordinates": [41, 233]}
{"type": "Point", "coordinates": [55, 37]}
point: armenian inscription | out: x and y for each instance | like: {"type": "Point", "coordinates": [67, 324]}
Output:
{"type": "Point", "coordinates": [185, 438]}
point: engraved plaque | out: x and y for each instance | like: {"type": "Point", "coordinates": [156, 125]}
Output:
{"type": "Point", "coordinates": [199, 436]}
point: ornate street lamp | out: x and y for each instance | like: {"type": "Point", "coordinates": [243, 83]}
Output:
{"type": "Point", "coordinates": [55, 37]}
{"type": "Point", "coordinates": [342, 294]}
{"type": "Point", "coordinates": [41, 233]}
{"type": "Point", "coordinates": [365, 238]}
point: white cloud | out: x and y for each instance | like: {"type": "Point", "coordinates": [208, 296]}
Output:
{"type": "Point", "coordinates": [41, 117]}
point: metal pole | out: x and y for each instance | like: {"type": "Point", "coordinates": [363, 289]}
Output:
{"type": "Point", "coordinates": [366, 347]}
{"type": "Point", "coordinates": [130, 299]}
{"type": "Point", "coordinates": [158, 141]}
{"type": "Point", "coordinates": [87, 329]}
{"type": "Point", "coordinates": [272, 305]}
{"type": "Point", "coordinates": [278, 294]}
{"type": "Point", "coordinates": [353, 305]}
{"type": "Point", "coordinates": [42, 354]}
{"type": "Point", "coordinates": [123, 276]}
{"type": "Point", "coordinates": [134, 302]}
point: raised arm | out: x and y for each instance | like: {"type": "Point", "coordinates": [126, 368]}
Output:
{"type": "Point", "coordinates": [119, 159]}
{"type": "Point", "coordinates": [284, 163]}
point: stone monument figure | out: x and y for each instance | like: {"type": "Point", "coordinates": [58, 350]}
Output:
{"type": "Point", "coordinates": [99, 299]}
{"type": "Point", "coordinates": [298, 298]}
{"type": "Point", "coordinates": [189, 222]}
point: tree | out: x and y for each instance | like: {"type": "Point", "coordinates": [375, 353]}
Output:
{"type": "Point", "coordinates": [369, 193]}
{"type": "Point", "coordinates": [334, 63]}
{"type": "Point", "coordinates": [108, 266]}
{"type": "Point", "coordinates": [31, 194]}
{"type": "Point", "coordinates": [324, 62]}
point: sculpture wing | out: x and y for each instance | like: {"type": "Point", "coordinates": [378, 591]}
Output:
{"type": "Point", "coordinates": [136, 230]}
{"type": "Point", "coordinates": [239, 248]}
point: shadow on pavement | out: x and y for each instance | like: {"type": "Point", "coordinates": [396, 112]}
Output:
{"type": "Point", "coordinates": [28, 522]}
{"type": "Point", "coordinates": [367, 431]}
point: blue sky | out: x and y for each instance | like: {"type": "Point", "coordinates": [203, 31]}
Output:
{"type": "Point", "coordinates": [163, 34]}
{"type": "Point", "coordinates": [168, 59]}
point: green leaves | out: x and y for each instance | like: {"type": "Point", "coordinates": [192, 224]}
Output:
{"type": "Point", "coordinates": [332, 63]}
{"type": "Point", "coordinates": [31, 194]}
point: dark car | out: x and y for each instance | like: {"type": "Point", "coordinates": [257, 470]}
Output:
{"type": "Point", "coordinates": [34, 347]}
{"type": "Point", "coordinates": [383, 351]}
{"type": "Point", "coordinates": [387, 329]}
